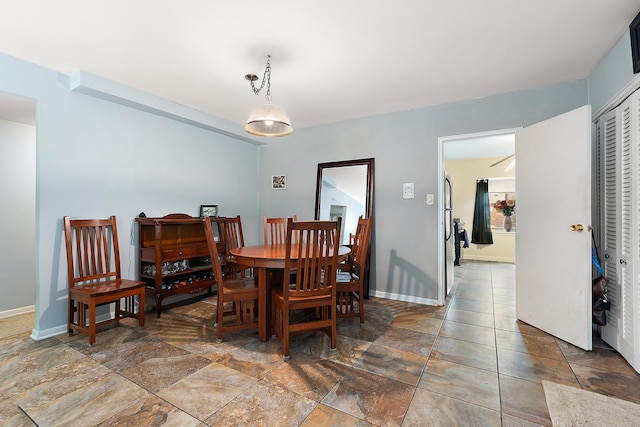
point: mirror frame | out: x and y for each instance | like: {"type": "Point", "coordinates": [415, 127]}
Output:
{"type": "Point", "coordinates": [370, 164]}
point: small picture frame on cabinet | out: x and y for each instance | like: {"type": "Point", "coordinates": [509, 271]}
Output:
{"type": "Point", "coordinates": [279, 182]}
{"type": "Point", "coordinates": [208, 210]}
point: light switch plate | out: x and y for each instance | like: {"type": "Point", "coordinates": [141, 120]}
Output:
{"type": "Point", "coordinates": [431, 199]}
{"type": "Point", "coordinates": [407, 190]}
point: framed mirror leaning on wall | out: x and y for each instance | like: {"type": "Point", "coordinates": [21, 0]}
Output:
{"type": "Point", "coordinates": [345, 188]}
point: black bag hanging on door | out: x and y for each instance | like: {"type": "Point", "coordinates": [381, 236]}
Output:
{"type": "Point", "coordinates": [600, 302]}
{"type": "Point", "coordinates": [599, 290]}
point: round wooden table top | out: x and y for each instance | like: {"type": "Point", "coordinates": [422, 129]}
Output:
{"type": "Point", "coordinates": [271, 256]}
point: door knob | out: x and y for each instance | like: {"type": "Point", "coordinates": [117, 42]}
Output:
{"type": "Point", "coordinates": [576, 227]}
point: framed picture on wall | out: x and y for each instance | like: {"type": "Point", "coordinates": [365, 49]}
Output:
{"type": "Point", "coordinates": [279, 182]}
{"type": "Point", "coordinates": [208, 210]}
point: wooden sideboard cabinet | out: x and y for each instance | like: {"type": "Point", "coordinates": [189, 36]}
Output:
{"type": "Point", "coordinates": [174, 257]}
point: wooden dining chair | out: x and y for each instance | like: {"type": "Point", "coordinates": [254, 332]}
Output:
{"type": "Point", "coordinates": [349, 281]}
{"type": "Point", "coordinates": [93, 266]}
{"type": "Point", "coordinates": [315, 260]}
{"type": "Point", "coordinates": [275, 230]}
{"type": "Point", "coordinates": [240, 295]}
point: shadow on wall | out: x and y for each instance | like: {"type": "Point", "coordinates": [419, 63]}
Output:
{"type": "Point", "coordinates": [408, 279]}
{"type": "Point", "coordinates": [51, 316]}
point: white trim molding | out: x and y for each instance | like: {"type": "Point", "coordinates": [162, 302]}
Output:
{"type": "Point", "coordinates": [17, 311]}
{"type": "Point", "coordinates": [619, 98]}
{"type": "Point", "coordinates": [405, 298]}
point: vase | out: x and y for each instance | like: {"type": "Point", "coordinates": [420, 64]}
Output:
{"type": "Point", "coordinates": [508, 225]}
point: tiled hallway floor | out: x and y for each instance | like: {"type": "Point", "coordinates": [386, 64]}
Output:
{"type": "Point", "coordinates": [468, 363]}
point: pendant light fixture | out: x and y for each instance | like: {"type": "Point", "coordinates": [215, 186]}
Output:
{"type": "Point", "coordinates": [267, 120]}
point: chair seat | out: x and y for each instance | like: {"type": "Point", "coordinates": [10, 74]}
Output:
{"type": "Point", "coordinates": [277, 293]}
{"type": "Point", "coordinates": [106, 287]}
{"type": "Point", "coordinates": [236, 286]}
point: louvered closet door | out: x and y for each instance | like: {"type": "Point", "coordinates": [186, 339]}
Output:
{"type": "Point", "coordinates": [619, 133]}
{"type": "Point", "coordinates": [608, 132]}
{"type": "Point", "coordinates": [628, 251]}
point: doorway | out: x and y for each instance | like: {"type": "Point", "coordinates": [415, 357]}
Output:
{"type": "Point", "coordinates": [477, 156]}
{"type": "Point", "coordinates": [17, 221]}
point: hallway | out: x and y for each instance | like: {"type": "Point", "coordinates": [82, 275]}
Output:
{"type": "Point", "coordinates": [468, 363]}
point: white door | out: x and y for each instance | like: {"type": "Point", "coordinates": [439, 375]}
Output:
{"type": "Point", "coordinates": [553, 183]}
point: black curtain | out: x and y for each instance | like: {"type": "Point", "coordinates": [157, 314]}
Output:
{"type": "Point", "coordinates": [481, 232]}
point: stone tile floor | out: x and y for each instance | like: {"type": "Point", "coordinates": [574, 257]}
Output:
{"type": "Point", "coordinates": [468, 363]}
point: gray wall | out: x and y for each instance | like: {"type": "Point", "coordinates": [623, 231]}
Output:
{"type": "Point", "coordinates": [17, 216]}
{"type": "Point", "coordinates": [613, 73]}
{"type": "Point", "coordinates": [405, 148]}
{"type": "Point", "coordinates": [96, 158]}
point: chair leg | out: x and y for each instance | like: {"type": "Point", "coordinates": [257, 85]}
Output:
{"type": "Point", "coordinates": [92, 322]}
{"type": "Point", "coordinates": [334, 332]}
{"type": "Point", "coordinates": [285, 335]}
{"type": "Point", "coordinates": [274, 320]}
{"type": "Point", "coordinates": [141, 308]}
{"type": "Point", "coordinates": [70, 318]}
{"type": "Point", "coordinates": [219, 318]}
{"type": "Point", "coordinates": [119, 310]}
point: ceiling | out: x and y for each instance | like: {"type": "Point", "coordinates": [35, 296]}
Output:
{"type": "Point", "coordinates": [480, 147]}
{"type": "Point", "coordinates": [331, 60]}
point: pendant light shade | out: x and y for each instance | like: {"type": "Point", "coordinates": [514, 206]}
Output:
{"type": "Point", "coordinates": [268, 120]}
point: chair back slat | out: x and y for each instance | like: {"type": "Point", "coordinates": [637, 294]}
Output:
{"type": "Point", "coordinates": [275, 230]}
{"type": "Point", "coordinates": [233, 230]}
{"type": "Point", "coordinates": [218, 229]}
{"type": "Point", "coordinates": [315, 259]}
{"type": "Point", "coordinates": [92, 250]}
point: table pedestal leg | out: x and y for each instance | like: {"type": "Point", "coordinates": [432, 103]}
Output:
{"type": "Point", "coordinates": [263, 332]}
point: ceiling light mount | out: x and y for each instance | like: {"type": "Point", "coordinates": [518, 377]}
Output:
{"type": "Point", "coordinates": [267, 120]}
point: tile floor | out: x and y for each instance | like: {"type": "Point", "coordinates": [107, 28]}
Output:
{"type": "Point", "coordinates": [468, 363]}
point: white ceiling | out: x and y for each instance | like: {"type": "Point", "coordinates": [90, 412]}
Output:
{"type": "Point", "coordinates": [480, 147]}
{"type": "Point", "coordinates": [332, 60]}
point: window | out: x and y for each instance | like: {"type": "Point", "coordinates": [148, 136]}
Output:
{"type": "Point", "coordinates": [501, 189]}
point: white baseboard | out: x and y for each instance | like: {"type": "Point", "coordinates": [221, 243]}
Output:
{"type": "Point", "coordinates": [510, 260]}
{"type": "Point", "coordinates": [16, 311]}
{"type": "Point", "coordinates": [405, 298]}
{"type": "Point", "coordinates": [38, 334]}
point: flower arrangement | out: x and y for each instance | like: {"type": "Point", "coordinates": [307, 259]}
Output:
{"type": "Point", "coordinates": [505, 207]}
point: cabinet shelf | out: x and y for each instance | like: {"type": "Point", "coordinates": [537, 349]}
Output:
{"type": "Point", "coordinates": [188, 271]}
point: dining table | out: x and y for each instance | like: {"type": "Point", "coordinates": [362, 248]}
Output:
{"type": "Point", "coordinates": [263, 259]}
